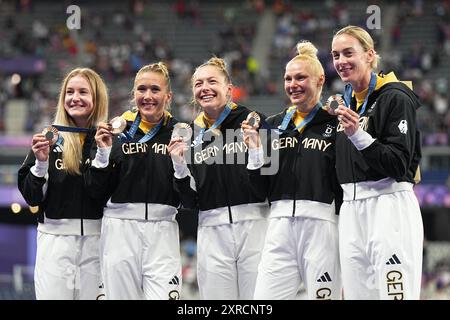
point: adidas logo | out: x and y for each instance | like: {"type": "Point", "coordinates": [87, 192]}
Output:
{"type": "Point", "coordinates": [393, 260]}
{"type": "Point", "coordinates": [324, 278]}
{"type": "Point", "coordinates": [175, 281]}
{"type": "Point", "coordinates": [57, 149]}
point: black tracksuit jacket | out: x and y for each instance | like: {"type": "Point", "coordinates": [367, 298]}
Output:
{"type": "Point", "coordinates": [66, 196]}
{"type": "Point", "coordinates": [137, 172]}
{"type": "Point", "coordinates": [306, 163]}
{"type": "Point", "coordinates": [219, 185]}
{"type": "Point", "coordinates": [393, 154]}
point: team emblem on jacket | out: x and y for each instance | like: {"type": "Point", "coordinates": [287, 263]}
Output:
{"type": "Point", "coordinates": [328, 131]}
{"type": "Point", "coordinates": [403, 126]}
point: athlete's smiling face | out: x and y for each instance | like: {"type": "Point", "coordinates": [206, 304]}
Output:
{"type": "Point", "coordinates": [351, 62]}
{"type": "Point", "coordinates": [301, 85]}
{"type": "Point", "coordinates": [210, 88]}
{"type": "Point", "coordinates": [78, 101]}
{"type": "Point", "coordinates": [151, 95]}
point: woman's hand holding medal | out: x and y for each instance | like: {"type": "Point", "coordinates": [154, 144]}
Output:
{"type": "Point", "coordinates": [333, 104]}
{"type": "Point", "coordinates": [249, 128]}
{"type": "Point", "coordinates": [105, 131]}
{"type": "Point", "coordinates": [181, 135]}
{"type": "Point", "coordinates": [41, 145]}
{"type": "Point", "coordinates": [104, 135]}
{"type": "Point", "coordinates": [348, 118]}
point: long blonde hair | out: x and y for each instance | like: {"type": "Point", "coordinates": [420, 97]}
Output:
{"type": "Point", "coordinates": [307, 52]}
{"type": "Point", "coordinates": [72, 149]}
{"type": "Point", "coordinates": [364, 39]}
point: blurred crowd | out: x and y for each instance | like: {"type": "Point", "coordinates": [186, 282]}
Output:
{"type": "Point", "coordinates": [118, 58]}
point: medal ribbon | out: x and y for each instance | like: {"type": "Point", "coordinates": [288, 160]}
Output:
{"type": "Point", "coordinates": [282, 127]}
{"type": "Point", "coordinates": [128, 136]}
{"type": "Point", "coordinates": [199, 139]}
{"type": "Point", "coordinates": [349, 92]}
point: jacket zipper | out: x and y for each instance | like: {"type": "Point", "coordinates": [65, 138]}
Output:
{"type": "Point", "coordinates": [86, 155]}
{"type": "Point", "coordinates": [82, 209]}
{"type": "Point", "coordinates": [146, 184]}
{"type": "Point", "coordinates": [353, 176]}
{"type": "Point", "coordinates": [230, 216]}
{"type": "Point", "coordinates": [295, 176]}
{"type": "Point", "coordinates": [83, 168]}
{"type": "Point", "coordinates": [353, 171]}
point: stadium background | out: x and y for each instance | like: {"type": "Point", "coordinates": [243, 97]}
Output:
{"type": "Point", "coordinates": [256, 38]}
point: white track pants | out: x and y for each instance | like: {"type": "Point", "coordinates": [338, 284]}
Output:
{"type": "Point", "coordinates": [228, 258]}
{"type": "Point", "coordinates": [67, 267]}
{"type": "Point", "coordinates": [140, 259]}
{"type": "Point", "coordinates": [381, 242]}
{"type": "Point", "coordinates": [299, 249]}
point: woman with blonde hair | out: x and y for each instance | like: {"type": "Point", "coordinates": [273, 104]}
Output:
{"type": "Point", "coordinates": [378, 153]}
{"type": "Point", "coordinates": [232, 221]}
{"type": "Point", "coordinates": [53, 178]}
{"type": "Point", "coordinates": [140, 247]}
{"type": "Point", "coordinates": [302, 237]}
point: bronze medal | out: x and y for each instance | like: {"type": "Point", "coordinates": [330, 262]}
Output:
{"type": "Point", "coordinates": [253, 119]}
{"type": "Point", "coordinates": [51, 134]}
{"type": "Point", "coordinates": [118, 125]}
{"type": "Point", "coordinates": [182, 130]}
{"type": "Point", "coordinates": [334, 102]}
